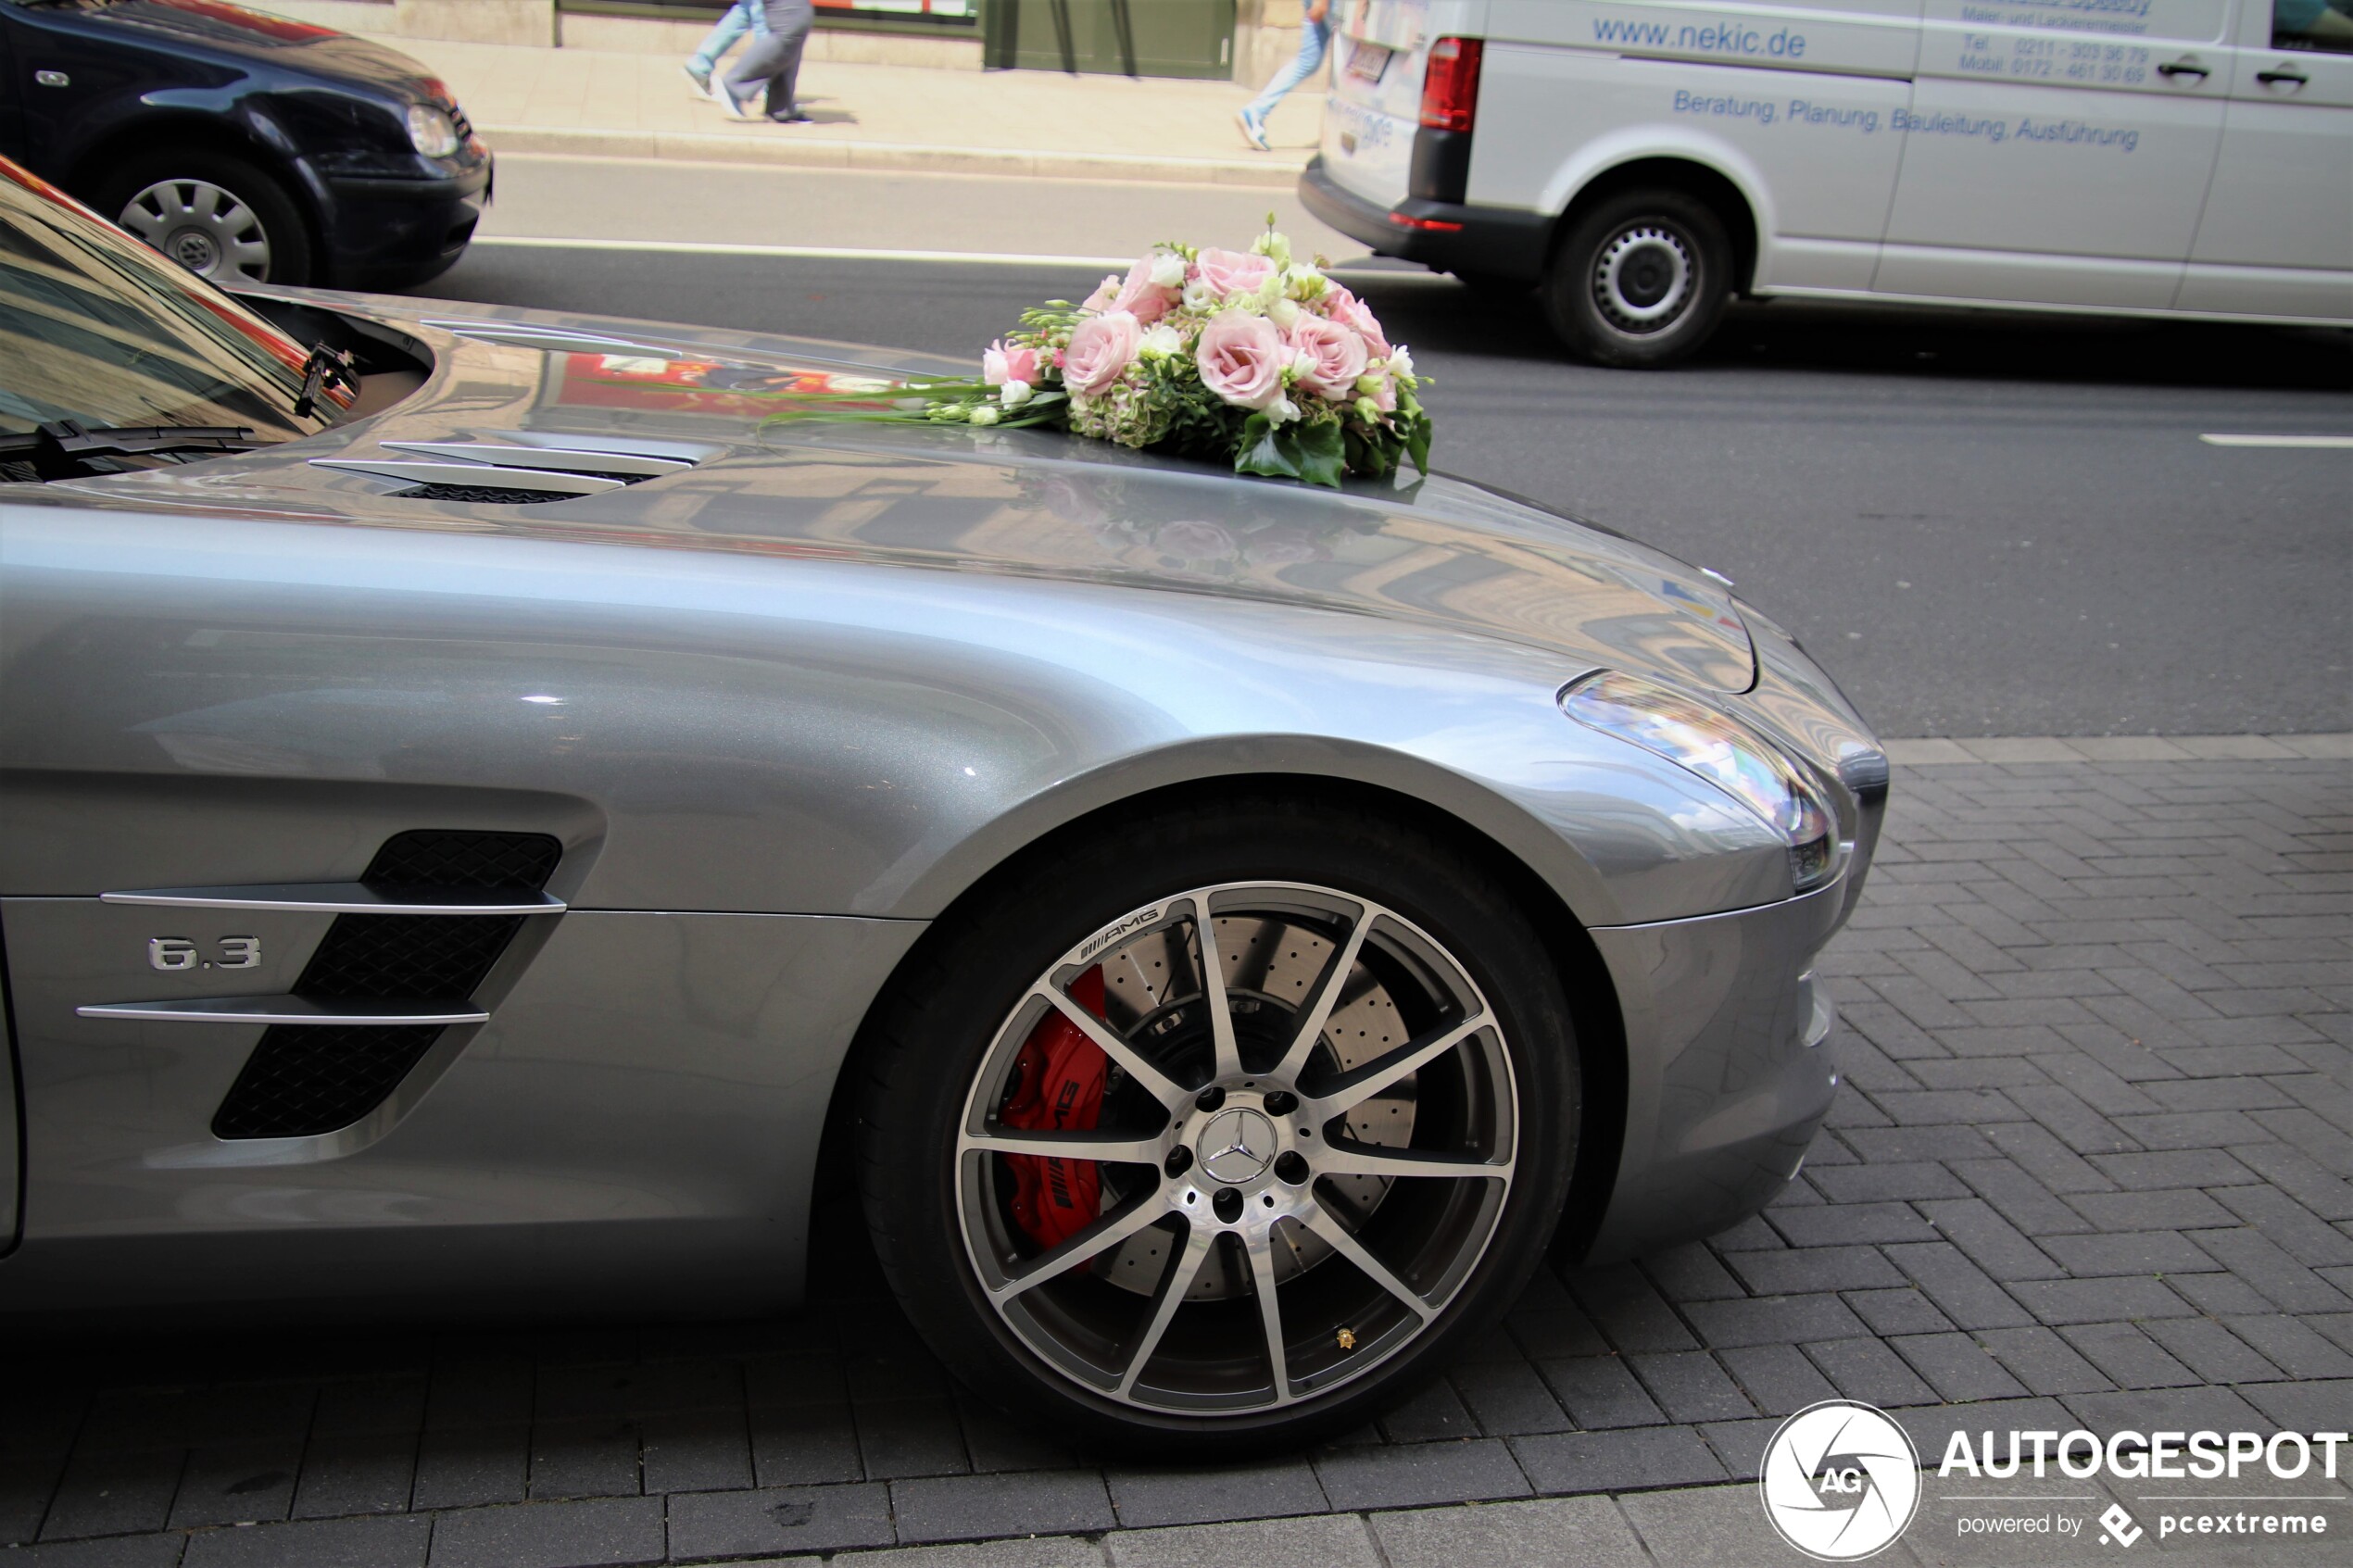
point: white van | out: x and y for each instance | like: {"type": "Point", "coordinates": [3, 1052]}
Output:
{"type": "Point", "coordinates": [1641, 161]}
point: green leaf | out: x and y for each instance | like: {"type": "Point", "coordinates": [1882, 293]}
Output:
{"type": "Point", "coordinates": [1323, 458]}
{"type": "Point", "coordinates": [1265, 450]}
{"type": "Point", "coordinates": [1417, 442]}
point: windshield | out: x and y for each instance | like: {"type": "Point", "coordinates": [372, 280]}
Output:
{"type": "Point", "coordinates": [96, 328]}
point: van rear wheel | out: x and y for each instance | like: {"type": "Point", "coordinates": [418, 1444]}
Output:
{"type": "Point", "coordinates": [1641, 281]}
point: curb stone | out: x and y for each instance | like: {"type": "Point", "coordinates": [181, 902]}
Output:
{"type": "Point", "coordinates": [808, 152]}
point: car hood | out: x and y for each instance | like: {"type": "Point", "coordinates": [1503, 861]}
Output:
{"type": "Point", "coordinates": [222, 28]}
{"type": "Point", "coordinates": [1435, 551]}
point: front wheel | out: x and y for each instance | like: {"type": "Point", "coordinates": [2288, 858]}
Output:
{"type": "Point", "coordinates": [219, 217]}
{"type": "Point", "coordinates": [1221, 1132]}
{"type": "Point", "coordinates": [1640, 280]}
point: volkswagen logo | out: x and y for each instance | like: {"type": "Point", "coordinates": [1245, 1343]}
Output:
{"type": "Point", "coordinates": [1237, 1146]}
{"type": "Point", "coordinates": [1840, 1481]}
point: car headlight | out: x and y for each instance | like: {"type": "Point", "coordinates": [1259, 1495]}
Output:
{"type": "Point", "coordinates": [1722, 750]}
{"type": "Point", "coordinates": [431, 132]}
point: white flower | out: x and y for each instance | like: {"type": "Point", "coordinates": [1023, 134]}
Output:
{"type": "Point", "coordinates": [1283, 313]}
{"type": "Point", "coordinates": [1274, 248]}
{"type": "Point", "coordinates": [1306, 281]}
{"type": "Point", "coordinates": [1200, 297]}
{"type": "Point", "coordinates": [1014, 393]}
{"type": "Point", "coordinates": [984, 415]}
{"type": "Point", "coordinates": [1301, 362]}
{"type": "Point", "coordinates": [910, 404]}
{"type": "Point", "coordinates": [1281, 411]}
{"type": "Point", "coordinates": [1168, 270]}
{"type": "Point", "coordinates": [1401, 359]}
{"type": "Point", "coordinates": [1162, 342]}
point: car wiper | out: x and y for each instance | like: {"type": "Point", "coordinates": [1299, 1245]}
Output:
{"type": "Point", "coordinates": [61, 448]}
{"type": "Point", "coordinates": [324, 368]}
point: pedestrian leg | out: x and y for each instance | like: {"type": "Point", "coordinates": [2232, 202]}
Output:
{"type": "Point", "coordinates": [1313, 38]}
{"type": "Point", "coordinates": [750, 73]}
{"type": "Point", "coordinates": [722, 38]}
{"type": "Point", "coordinates": [791, 21]}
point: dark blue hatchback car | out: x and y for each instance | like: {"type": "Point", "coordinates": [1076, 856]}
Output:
{"type": "Point", "coordinates": [249, 148]}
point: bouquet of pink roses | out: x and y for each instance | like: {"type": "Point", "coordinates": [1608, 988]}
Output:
{"type": "Point", "coordinates": [1251, 357]}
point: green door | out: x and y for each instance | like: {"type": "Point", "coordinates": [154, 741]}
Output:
{"type": "Point", "coordinates": [1114, 37]}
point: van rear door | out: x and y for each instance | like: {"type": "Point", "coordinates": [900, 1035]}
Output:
{"type": "Point", "coordinates": [1381, 49]}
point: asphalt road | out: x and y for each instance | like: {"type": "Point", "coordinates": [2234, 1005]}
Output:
{"type": "Point", "coordinates": [2004, 525]}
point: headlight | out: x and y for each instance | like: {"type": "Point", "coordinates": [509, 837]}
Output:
{"type": "Point", "coordinates": [1723, 751]}
{"type": "Point", "coordinates": [431, 132]}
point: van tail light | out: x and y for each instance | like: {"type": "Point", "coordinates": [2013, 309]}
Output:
{"type": "Point", "coordinates": [1450, 87]}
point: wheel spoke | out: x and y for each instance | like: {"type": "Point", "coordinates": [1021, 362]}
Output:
{"type": "Point", "coordinates": [204, 201]}
{"type": "Point", "coordinates": [1113, 1227]}
{"type": "Point", "coordinates": [1179, 1279]}
{"type": "Point", "coordinates": [1155, 1083]}
{"type": "Point", "coordinates": [1213, 991]}
{"type": "Point", "coordinates": [1325, 998]}
{"type": "Point", "coordinates": [1367, 1159]}
{"type": "Point", "coordinates": [1081, 1143]}
{"type": "Point", "coordinates": [1352, 1088]}
{"type": "Point", "coordinates": [1348, 1246]}
{"type": "Point", "coordinates": [1270, 1309]}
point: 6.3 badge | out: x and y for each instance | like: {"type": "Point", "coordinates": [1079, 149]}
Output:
{"type": "Point", "coordinates": [178, 953]}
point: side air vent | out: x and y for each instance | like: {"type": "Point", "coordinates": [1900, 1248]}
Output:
{"type": "Point", "coordinates": [480, 495]}
{"type": "Point", "coordinates": [305, 1080]}
{"type": "Point", "coordinates": [526, 468]}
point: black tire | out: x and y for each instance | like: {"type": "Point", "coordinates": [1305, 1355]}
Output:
{"type": "Point", "coordinates": [218, 248]}
{"type": "Point", "coordinates": [1640, 280]}
{"type": "Point", "coordinates": [931, 1038]}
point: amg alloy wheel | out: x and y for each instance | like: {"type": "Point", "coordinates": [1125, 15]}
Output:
{"type": "Point", "coordinates": [1236, 1155]}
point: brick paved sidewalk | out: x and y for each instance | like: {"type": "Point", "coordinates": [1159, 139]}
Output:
{"type": "Point", "coordinates": [2089, 1169]}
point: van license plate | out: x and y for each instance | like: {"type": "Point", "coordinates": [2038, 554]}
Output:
{"type": "Point", "coordinates": [1366, 61]}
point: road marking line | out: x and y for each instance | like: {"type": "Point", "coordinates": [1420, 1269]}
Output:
{"type": "Point", "coordinates": [2308, 442]}
{"type": "Point", "coordinates": [805, 252]}
{"type": "Point", "coordinates": [848, 253]}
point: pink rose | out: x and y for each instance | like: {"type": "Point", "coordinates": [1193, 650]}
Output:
{"type": "Point", "coordinates": [1350, 311]}
{"type": "Point", "coordinates": [1001, 364]}
{"type": "Point", "coordinates": [1231, 271]}
{"type": "Point", "coordinates": [1241, 358]}
{"type": "Point", "coordinates": [1105, 292]}
{"type": "Point", "coordinates": [1142, 298]}
{"type": "Point", "coordinates": [1100, 350]}
{"type": "Point", "coordinates": [1337, 353]}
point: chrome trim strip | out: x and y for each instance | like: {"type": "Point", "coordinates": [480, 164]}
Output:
{"type": "Point", "coordinates": [287, 1010]}
{"type": "Point", "coordinates": [472, 473]}
{"type": "Point", "coordinates": [567, 459]}
{"type": "Point", "coordinates": [344, 898]}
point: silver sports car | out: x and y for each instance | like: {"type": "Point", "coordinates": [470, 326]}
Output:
{"type": "Point", "coordinates": [491, 827]}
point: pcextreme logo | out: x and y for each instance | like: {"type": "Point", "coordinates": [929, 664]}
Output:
{"type": "Point", "coordinates": [1840, 1481]}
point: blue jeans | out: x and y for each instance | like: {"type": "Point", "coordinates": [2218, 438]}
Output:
{"type": "Point", "coordinates": [734, 25]}
{"type": "Point", "coordinates": [1313, 40]}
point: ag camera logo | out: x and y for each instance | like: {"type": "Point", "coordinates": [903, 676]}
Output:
{"type": "Point", "coordinates": [1840, 1481]}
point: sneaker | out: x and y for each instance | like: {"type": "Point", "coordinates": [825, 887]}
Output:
{"type": "Point", "coordinates": [737, 109]}
{"type": "Point", "coordinates": [1253, 132]}
{"type": "Point", "coordinates": [701, 79]}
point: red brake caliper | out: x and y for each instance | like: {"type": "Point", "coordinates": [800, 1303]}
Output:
{"type": "Point", "coordinates": [1058, 1084]}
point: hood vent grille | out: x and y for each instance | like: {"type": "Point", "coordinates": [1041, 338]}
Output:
{"type": "Point", "coordinates": [520, 469]}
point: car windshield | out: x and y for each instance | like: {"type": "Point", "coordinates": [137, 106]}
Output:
{"type": "Point", "coordinates": [96, 328]}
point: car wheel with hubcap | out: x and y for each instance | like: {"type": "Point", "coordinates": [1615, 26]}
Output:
{"type": "Point", "coordinates": [1217, 1133]}
{"type": "Point", "coordinates": [1641, 281]}
{"type": "Point", "coordinates": [220, 218]}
